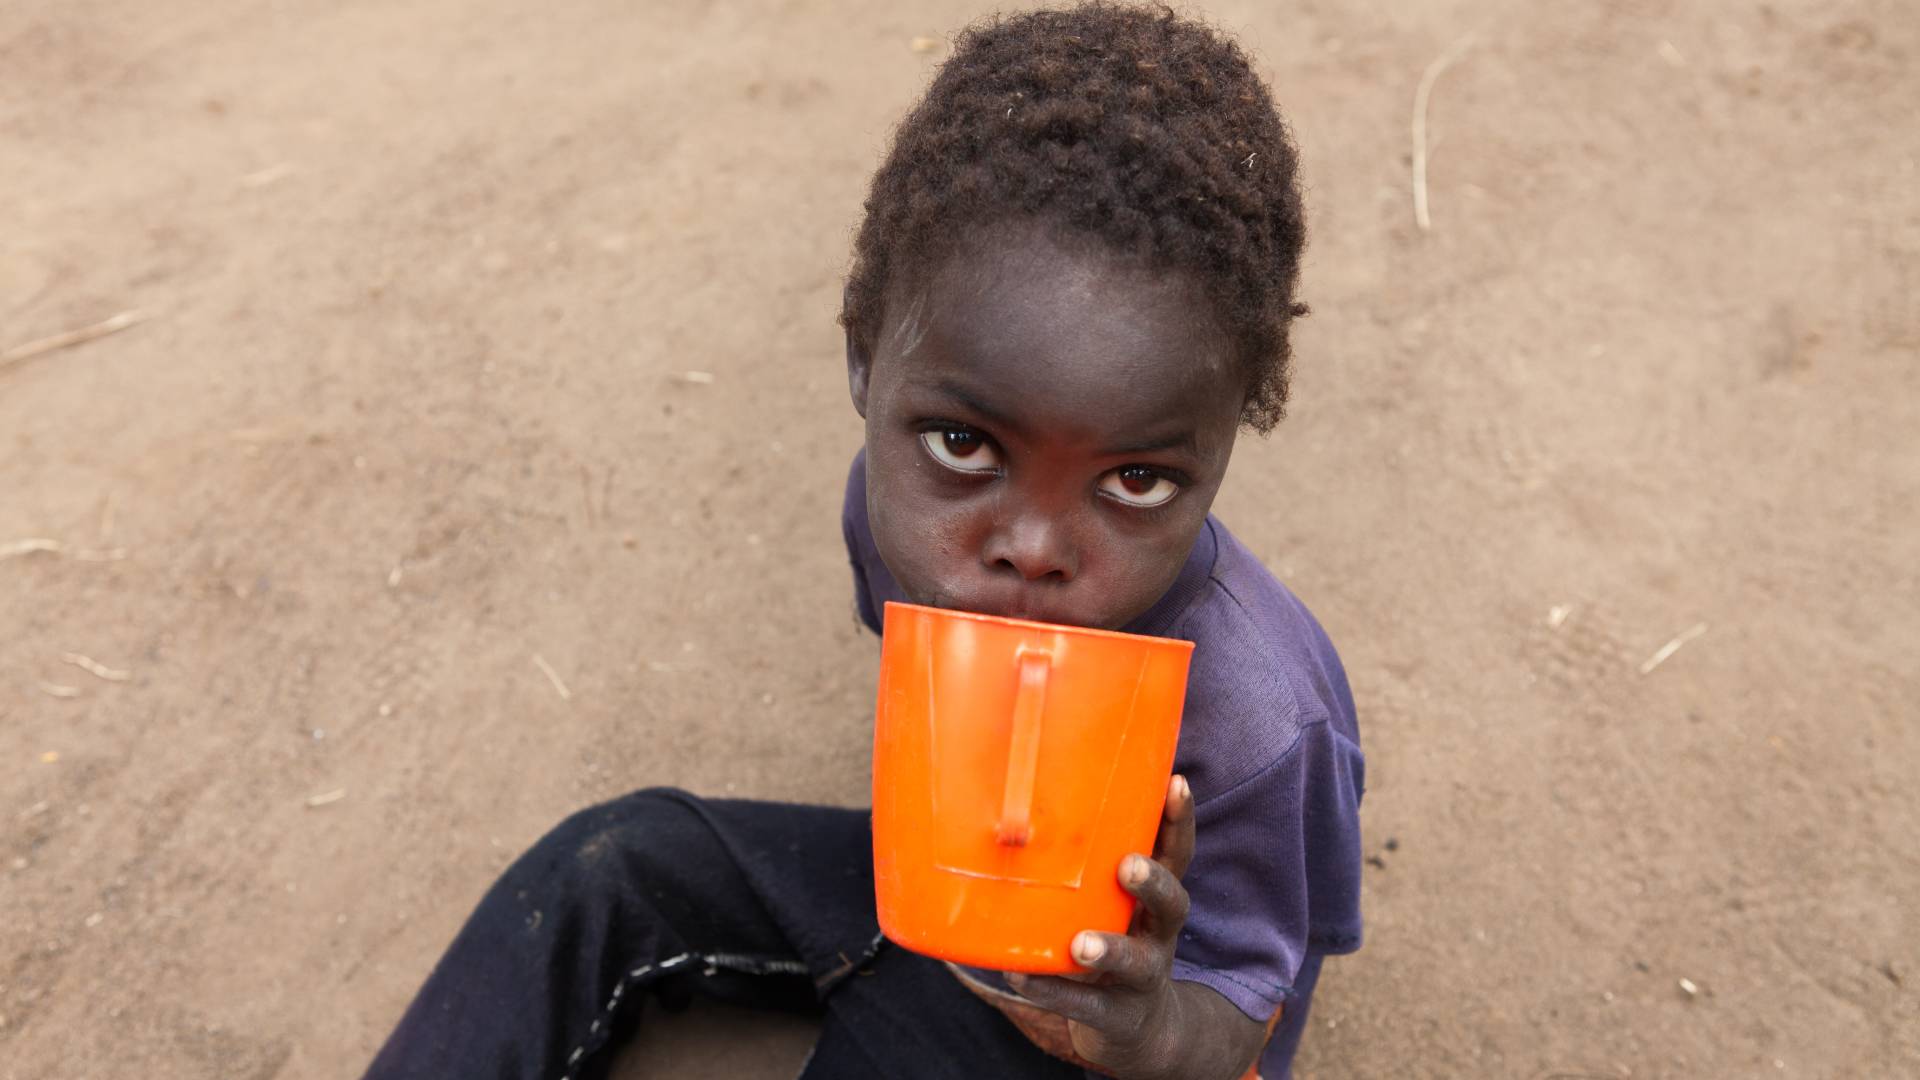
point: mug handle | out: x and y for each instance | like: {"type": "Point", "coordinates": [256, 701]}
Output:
{"type": "Point", "coordinates": [1023, 749]}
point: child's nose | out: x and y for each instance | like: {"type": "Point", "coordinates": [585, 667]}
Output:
{"type": "Point", "coordinates": [1035, 546]}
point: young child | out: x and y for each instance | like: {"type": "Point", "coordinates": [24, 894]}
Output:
{"type": "Point", "coordinates": [1073, 285]}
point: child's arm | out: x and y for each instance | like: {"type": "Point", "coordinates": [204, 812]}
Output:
{"type": "Point", "coordinates": [1131, 1019]}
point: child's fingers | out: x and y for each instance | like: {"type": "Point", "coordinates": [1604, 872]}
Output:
{"type": "Point", "coordinates": [1097, 1007]}
{"type": "Point", "coordinates": [1174, 845]}
{"type": "Point", "coordinates": [1133, 962]}
{"type": "Point", "coordinates": [1163, 901]}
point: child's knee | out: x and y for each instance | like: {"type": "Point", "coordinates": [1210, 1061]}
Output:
{"type": "Point", "coordinates": [628, 836]}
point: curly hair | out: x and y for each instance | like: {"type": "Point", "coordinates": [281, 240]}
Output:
{"type": "Point", "coordinates": [1134, 126]}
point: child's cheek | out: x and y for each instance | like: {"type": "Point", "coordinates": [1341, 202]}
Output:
{"type": "Point", "coordinates": [914, 544]}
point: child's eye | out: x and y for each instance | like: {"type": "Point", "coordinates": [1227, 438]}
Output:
{"type": "Point", "coordinates": [961, 450]}
{"type": "Point", "coordinates": [1137, 485]}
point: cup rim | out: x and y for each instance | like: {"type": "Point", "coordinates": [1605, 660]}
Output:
{"type": "Point", "coordinates": [1034, 624]}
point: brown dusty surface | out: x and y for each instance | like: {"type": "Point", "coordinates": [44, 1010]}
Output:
{"type": "Point", "coordinates": [406, 416]}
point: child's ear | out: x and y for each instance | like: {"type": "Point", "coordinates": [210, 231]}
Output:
{"type": "Point", "coordinates": [859, 367]}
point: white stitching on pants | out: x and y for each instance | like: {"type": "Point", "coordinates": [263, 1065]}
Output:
{"type": "Point", "coordinates": [714, 962]}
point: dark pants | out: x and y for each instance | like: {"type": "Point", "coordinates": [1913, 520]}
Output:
{"type": "Point", "coordinates": [660, 893]}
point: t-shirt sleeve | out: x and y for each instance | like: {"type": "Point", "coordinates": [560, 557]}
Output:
{"type": "Point", "coordinates": [1275, 873]}
{"type": "Point", "coordinates": [861, 552]}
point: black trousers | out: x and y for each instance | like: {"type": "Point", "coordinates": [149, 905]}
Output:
{"type": "Point", "coordinates": [767, 905]}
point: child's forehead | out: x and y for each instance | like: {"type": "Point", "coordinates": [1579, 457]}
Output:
{"type": "Point", "coordinates": [1022, 248]}
{"type": "Point", "coordinates": [1026, 282]}
{"type": "Point", "coordinates": [1063, 336]}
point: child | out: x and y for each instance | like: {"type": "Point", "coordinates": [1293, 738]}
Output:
{"type": "Point", "coordinates": [1073, 284]}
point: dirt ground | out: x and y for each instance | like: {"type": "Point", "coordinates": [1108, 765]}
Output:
{"type": "Point", "coordinates": [406, 425]}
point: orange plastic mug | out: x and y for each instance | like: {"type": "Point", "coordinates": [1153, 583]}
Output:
{"type": "Point", "coordinates": [1015, 764]}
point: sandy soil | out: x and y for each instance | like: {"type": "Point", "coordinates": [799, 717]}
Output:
{"type": "Point", "coordinates": [405, 418]}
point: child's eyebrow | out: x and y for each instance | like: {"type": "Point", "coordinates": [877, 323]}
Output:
{"type": "Point", "coordinates": [1185, 439]}
{"type": "Point", "coordinates": [965, 398]}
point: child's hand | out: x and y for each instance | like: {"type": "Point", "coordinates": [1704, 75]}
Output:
{"type": "Point", "coordinates": [1127, 1016]}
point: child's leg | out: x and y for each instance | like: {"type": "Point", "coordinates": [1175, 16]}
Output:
{"type": "Point", "coordinates": [756, 903]}
{"type": "Point", "coordinates": [907, 1016]}
{"type": "Point", "coordinates": [763, 904]}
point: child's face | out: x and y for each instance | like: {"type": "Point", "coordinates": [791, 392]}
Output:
{"type": "Point", "coordinates": [1047, 426]}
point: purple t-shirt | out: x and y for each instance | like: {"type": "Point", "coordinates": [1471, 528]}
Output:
{"type": "Point", "coordinates": [1270, 745]}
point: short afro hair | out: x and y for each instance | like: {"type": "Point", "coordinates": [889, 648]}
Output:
{"type": "Point", "coordinates": [1133, 126]}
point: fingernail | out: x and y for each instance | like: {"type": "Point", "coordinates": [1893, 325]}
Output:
{"type": "Point", "coordinates": [1090, 948]}
{"type": "Point", "coordinates": [1181, 790]}
{"type": "Point", "coordinates": [1136, 870]}
{"type": "Point", "coordinates": [1016, 980]}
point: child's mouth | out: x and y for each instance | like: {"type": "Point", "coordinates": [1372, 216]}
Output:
{"type": "Point", "coordinates": [1017, 606]}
